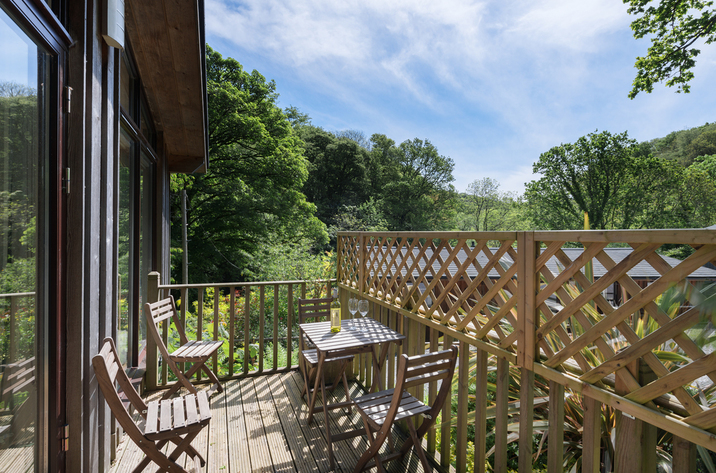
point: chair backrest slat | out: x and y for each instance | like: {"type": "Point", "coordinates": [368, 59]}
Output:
{"type": "Point", "coordinates": [311, 309]}
{"type": "Point", "coordinates": [108, 370]}
{"type": "Point", "coordinates": [425, 378]}
{"type": "Point", "coordinates": [162, 311]}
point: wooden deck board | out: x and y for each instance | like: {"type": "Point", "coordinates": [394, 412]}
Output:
{"type": "Point", "coordinates": [313, 433]}
{"type": "Point", "coordinates": [239, 459]}
{"type": "Point", "coordinates": [256, 433]}
{"type": "Point", "coordinates": [297, 440]}
{"type": "Point", "coordinates": [259, 425]}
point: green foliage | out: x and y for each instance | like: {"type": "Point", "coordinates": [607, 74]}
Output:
{"type": "Point", "coordinates": [611, 178]}
{"type": "Point", "coordinates": [485, 208]}
{"type": "Point", "coordinates": [252, 191]}
{"type": "Point", "coordinates": [674, 27]}
{"type": "Point", "coordinates": [421, 196]}
{"type": "Point", "coordinates": [677, 145]}
{"type": "Point", "coordinates": [337, 175]}
{"type": "Point", "coordinates": [587, 176]}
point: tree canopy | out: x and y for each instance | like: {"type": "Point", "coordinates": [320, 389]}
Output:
{"type": "Point", "coordinates": [609, 177]}
{"type": "Point", "coordinates": [675, 27]}
{"type": "Point", "coordinates": [252, 191]}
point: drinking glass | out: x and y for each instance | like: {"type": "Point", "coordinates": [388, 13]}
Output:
{"type": "Point", "coordinates": [363, 309]}
{"type": "Point", "coordinates": [353, 309]}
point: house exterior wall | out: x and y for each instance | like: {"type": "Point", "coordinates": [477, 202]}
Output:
{"type": "Point", "coordinates": [93, 130]}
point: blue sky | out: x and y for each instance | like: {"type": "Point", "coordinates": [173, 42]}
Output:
{"type": "Point", "coordinates": [492, 84]}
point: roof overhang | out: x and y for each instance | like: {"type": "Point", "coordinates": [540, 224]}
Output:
{"type": "Point", "coordinates": [167, 38]}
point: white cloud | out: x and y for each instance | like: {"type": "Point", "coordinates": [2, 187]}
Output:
{"type": "Point", "coordinates": [490, 77]}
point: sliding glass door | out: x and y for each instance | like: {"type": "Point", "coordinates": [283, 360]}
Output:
{"type": "Point", "coordinates": [24, 165]}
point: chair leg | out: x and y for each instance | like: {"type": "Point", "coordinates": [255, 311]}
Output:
{"type": "Point", "coordinates": [212, 377]}
{"type": "Point", "coordinates": [348, 393]}
{"type": "Point", "coordinates": [373, 451]}
{"type": "Point", "coordinates": [417, 446]}
{"type": "Point", "coordinates": [328, 428]}
{"type": "Point", "coordinates": [183, 380]}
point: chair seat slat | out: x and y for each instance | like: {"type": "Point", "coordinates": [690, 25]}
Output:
{"type": "Point", "coordinates": [178, 413]}
{"type": "Point", "coordinates": [152, 422]}
{"type": "Point", "coordinates": [192, 417]}
{"type": "Point", "coordinates": [204, 411]}
{"type": "Point", "coordinates": [165, 416]}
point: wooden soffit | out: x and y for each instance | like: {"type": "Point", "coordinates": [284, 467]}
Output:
{"type": "Point", "coordinates": [167, 39]}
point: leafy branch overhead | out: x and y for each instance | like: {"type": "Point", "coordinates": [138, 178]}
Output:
{"type": "Point", "coordinates": [676, 27]}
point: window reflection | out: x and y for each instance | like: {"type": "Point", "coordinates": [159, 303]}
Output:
{"type": "Point", "coordinates": [21, 233]}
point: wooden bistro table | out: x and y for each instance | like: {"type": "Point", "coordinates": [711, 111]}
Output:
{"type": "Point", "coordinates": [348, 341]}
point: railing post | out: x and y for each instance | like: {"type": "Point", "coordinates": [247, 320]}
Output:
{"type": "Point", "coordinates": [635, 439]}
{"type": "Point", "coordinates": [527, 252]}
{"type": "Point", "coordinates": [152, 367]}
{"type": "Point", "coordinates": [362, 263]}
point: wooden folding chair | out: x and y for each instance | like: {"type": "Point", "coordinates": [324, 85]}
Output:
{"type": "Point", "coordinates": [315, 310]}
{"type": "Point", "coordinates": [381, 410]}
{"type": "Point", "coordinates": [196, 352]}
{"type": "Point", "coordinates": [177, 420]}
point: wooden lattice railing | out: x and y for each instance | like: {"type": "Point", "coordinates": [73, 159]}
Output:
{"type": "Point", "coordinates": [603, 314]}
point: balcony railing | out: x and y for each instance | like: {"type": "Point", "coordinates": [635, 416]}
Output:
{"type": "Point", "coordinates": [257, 321]}
{"type": "Point", "coordinates": [600, 325]}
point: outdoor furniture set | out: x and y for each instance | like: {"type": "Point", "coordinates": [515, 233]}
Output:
{"type": "Point", "coordinates": [180, 419]}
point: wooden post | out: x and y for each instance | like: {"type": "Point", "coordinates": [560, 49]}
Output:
{"type": "Point", "coordinates": [445, 415]}
{"type": "Point", "coordinates": [501, 404]}
{"type": "Point", "coordinates": [480, 410]}
{"type": "Point", "coordinates": [463, 374]}
{"type": "Point", "coordinates": [526, 309]}
{"type": "Point", "coordinates": [362, 263]}
{"type": "Point", "coordinates": [527, 391]}
{"type": "Point", "coordinates": [152, 367]}
{"type": "Point", "coordinates": [591, 435]}
{"type": "Point", "coordinates": [555, 437]}
{"type": "Point", "coordinates": [635, 439]}
{"type": "Point", "coordinates": [684, 456]}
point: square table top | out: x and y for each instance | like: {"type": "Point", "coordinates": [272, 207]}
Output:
{"type": "Point", "coordinates": [319, 333]}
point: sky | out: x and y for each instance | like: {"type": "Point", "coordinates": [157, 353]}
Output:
{"type": "Point", "coordinates": [491, 84]}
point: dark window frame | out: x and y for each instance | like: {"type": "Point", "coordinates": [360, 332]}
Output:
{"type": "Point", "coordinates": [131, 123]}
{"type": "Point", "coordinates": [40, 22]}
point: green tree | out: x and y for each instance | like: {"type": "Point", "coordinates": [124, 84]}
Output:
{"type": "Point", "coordinates": [703, 145]}
{"type": "Point", "coordinates": [419, 196]}
{"type": "Point", "coordinates": [587, 176]}
{"type": "Point", "coordinates": [252, 191]}
{"type": "Point", "coordinates": [337, 175]}
{"type": "Point", "coordinates": [675, 27]}
{"type": "Point", "coordinates": [487, 205]}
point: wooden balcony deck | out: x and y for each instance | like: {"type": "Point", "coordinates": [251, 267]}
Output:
{"type": "Point", "coordinates": [259, 425]}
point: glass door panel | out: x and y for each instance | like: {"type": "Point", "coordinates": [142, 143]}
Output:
{"type": "Point", "coordinates": [23, 233]}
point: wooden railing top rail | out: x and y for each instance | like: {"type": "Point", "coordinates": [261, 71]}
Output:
{"type": "Point", "coordinates": [18, 294]}
{"type": "Point", "coordinates": [241, 284]}
{"type": "Point", "coordinates": [700, 236]}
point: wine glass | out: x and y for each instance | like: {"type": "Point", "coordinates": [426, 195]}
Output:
{"type": "Point", "coordinates": [363, 309]}
{"type": "Point", "coordinates": [353, 308]}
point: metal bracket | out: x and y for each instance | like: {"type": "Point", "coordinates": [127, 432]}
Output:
{"type": "Point", "coordinates": [66, 438]}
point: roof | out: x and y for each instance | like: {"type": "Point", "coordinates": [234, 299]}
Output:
{"type": "Point", "coordinates": [641, 270]}
{"type": "Point", "coordinates": [167, 38]}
